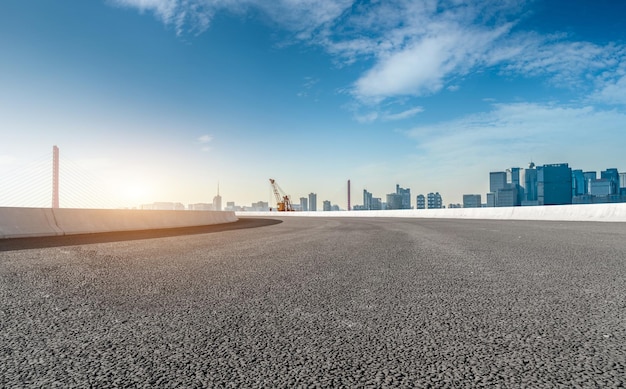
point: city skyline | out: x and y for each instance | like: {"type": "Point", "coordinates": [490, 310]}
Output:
{"type": "Point", "coordinates": [164, 99]}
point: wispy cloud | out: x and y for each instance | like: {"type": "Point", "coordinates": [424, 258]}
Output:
{"type": "Point", "coordinates": [308, 84]}
{"type": "Point", "coordinates": [513, 132]}
{"type": "Point", "coordinates": [418, 48]}
{"type": "Point", "coordinates": [204, 140]}
{"type": "Point", "coordinates": [302, 17]}
{"type": "Point", "coordinates": [404, 114]}
{"type": "Point", "coordinates": [387, 116]}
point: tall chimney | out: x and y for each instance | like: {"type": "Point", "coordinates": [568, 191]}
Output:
{"type": "Point", "coordinates": [349, 208]}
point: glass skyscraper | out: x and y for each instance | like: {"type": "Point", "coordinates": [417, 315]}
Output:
{"type": "Point", "coordinates": [554, 184]}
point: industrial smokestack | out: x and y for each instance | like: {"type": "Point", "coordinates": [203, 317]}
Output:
{"type": "Point", "coordinates": [349, 208]}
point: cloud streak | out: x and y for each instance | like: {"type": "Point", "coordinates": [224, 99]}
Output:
{"type": "Point", "coordinates": [418, 48]}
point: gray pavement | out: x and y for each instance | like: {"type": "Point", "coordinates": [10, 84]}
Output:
{"type": "Point", "coordinates": [317, 302]}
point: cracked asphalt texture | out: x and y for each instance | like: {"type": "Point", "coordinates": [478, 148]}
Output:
{"type": "Point", "coordinates": [320, 302]}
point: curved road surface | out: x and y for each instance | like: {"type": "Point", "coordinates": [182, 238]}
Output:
{"type": "Point", "coordinates": [319, 302]}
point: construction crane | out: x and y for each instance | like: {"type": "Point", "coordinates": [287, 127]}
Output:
{"type": "Point", "coordinates": [283, 202]}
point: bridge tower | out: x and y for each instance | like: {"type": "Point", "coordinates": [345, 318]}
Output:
{"type": "Point", "coordinates": [55, 177]}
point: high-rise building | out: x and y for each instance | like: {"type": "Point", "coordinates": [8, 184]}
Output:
{"type": "Point", "coordinates": [579, 184]}
{"type": "Point", "coordinates": [394, 201]}
{"type": "Point", "coordinates": [491, 200]}
{"type": "Point", "coordinates": [367, 200]}
{"type": "Point", "coordinates": [377, 203]}
{"type": "Point", "coordinates": [622, 180]}
{"type": "Point", "coordinates": [259, 206]}
{"type": "Point", "coordinates": [589, 176]}
{"type": "Point", "coordinates": [304, 205]}
{"type": "Point", "coordinates": [435, 201]}
{"type": "Point", "coordinates": [326, 205]}
{"type": "Point", "coordinates": [406, 196]}
{"type": "Point", "coordinates": [217, 200]}
{"type": "Point", "coordinates": [497, 180]}
{"type": "Point", "coordinates": [554, 184]}
{"type": "Point", "coordinates": [601, 187]}
{"type": "Point", "coordinates": [613, 176]}
{"type": "Point", "coordinates": [420, 202]}
{"type": "Point", "coordinates": [508, 197]}
{"type": "Point", "coordinates": [516, 178]}
{"type": "Point", "coordinates": [530, 187]}
{"type": "Point", "coordinates": [472, 201]}
{"type": "Point", "coordinates": [313, 202]}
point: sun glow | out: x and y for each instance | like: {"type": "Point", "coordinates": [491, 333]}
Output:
{"type": "Point", "coordinates": [133, 194]}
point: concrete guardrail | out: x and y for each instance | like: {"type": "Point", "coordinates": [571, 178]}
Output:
{"type": "Point", "coordinates": [574, 212]}
{"type": "Point", "coordinates": [33, 222]}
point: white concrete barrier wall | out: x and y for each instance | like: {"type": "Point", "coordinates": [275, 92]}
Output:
{"type": "Point", "coordinates": [19, 222]}
{"type": "Point", "coordinates": [575, 212]}
{"type": "Point", "coordinates": [31, 222]}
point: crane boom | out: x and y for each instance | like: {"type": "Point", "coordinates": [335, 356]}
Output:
{"type": "Point", "coordinates": [283, 202]}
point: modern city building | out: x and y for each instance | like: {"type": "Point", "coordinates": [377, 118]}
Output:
{"type": "Point", "coordinates": [326, 205]}
{"type": "Point", "coordinates": [554, 184]}
{"type": "Point", "coordinates": [516, 177]}
{"type": "Point", "coordinates": [304, 204]}
{"type": "Point", "coordinates": [406, 196]}
{"type": "Point", "coordinates": [313, 202]}
{"type": "Point", "coordinates": [589, 176]}
{"type": "Point", "coordinates": [434, 201]}
{"type": "Point", "coordinates": [508, 196]}
{"type": "Point", "coordinates": [420, 202]}
{"type": "Point", "coordinates": [601, 187]}
{"type": "Point", "coordinates": [613, 176]}
{"type": "Point", "coordinates": [472, 201]}
{"type": "Point", "coordinates": [579, 184]}
{"type": "Point", "coordinates": [530, 186]}
{"type": "Point", "coordinates": [394, 201]}
{"type": "Point", "coordinates": [377, 203]}
{"type": "Point", "coordinates": [259, 206]}
{"type": "Point", "coordinates": [491, 200]}
{"type": "Point", "coordinates": [217, 200]}
{"type": "Point", "coordinates": [497, 180]}
{"type": "Point", "coordinates": [367, 200]}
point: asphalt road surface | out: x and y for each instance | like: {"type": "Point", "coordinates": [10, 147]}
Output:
{"type": "Point", "coordinates": [319, 302]}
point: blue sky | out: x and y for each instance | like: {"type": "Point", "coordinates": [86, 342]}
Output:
{"type": "Point", "coordinates": [159, 100]}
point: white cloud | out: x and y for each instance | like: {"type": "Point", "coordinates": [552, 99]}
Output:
{"type": "Point", "coordinates": [373, 116]}
{"type": "Point", "coordinates": [301, 16]}
{"type": "Point", "coordinates": [404, 114]}
{"type": "Point", "coordinates": [417, 48]}
{"type": "Point", "coordinates": [366, 118]}
{"type": "Point", "coordinates": [612, 93]}
{"type": "Point", "coordinates": [164, 9]}
{"type": "Point", "coordinates": [205, 139]}
{"type": "Point", "coordinates": [309, 83]}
